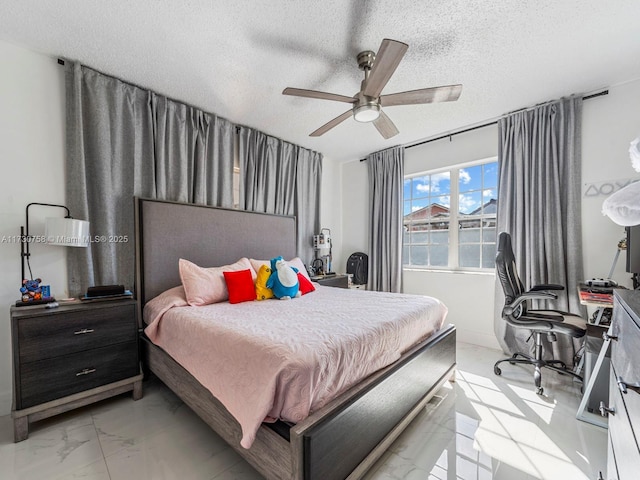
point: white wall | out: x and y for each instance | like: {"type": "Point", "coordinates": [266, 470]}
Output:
{"type": "Point", "coordinates": [609, 124]}
{"type": "Point", "coordinates": [354, 197]}
{"type": "Point", "coordinates": [32, 166]}
{"type": "Point", "coordinates": [331, 208]}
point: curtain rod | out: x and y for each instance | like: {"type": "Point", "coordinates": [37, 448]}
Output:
{"type": "Point", "coordinates": [494, 122]}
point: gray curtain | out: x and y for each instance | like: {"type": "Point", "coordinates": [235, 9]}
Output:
{"type": "Point", "coordinates": [281, 178]}
{"type": "Point", "coordinates": [125, 141]}
{"type": "Point", "coordinates": [386, 177]}
{"type": "Point", "coordinates": [539, 204]}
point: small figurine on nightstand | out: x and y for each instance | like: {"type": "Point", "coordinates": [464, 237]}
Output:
{"type": "Point", "coordinates": [31, 290]}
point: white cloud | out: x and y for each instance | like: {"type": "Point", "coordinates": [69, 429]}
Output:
{"type": "Point", "coordinates": [436, 179]}
{"type": "Point", "coordinates": [415, 208]}
{"type": "Point", "coordinates": [423, 187]}
{"type": "Point", "coordinates": [433, 185]}
{"type": "Point", "coordinates": [489, 194]}
{"type": "Point", "coordinates": [464, 176]}
{"type": "Point", "coordinates": [467, 204]}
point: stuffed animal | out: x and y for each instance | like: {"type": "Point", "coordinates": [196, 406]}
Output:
{"type": "Point", "coordinates": [283, 280]}
{"type": "Point", "coordinates": [31, 290]}
{"type": "Point", "coordinates": [262, 291]}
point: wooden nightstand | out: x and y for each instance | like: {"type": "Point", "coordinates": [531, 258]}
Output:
{"type": "Point", "coordinates": [70, 356]}
{"type": "Point", "coordinates": [338, 280]}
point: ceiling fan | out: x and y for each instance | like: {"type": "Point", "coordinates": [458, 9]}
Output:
{"type": "Point", "coordinates": [378, 69]}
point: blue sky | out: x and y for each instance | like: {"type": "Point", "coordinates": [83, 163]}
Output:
{"type": "Point", "coordinates": [436, 188]}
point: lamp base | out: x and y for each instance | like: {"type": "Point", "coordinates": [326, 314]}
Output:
{"type": "Point", "coordinates": [43, 301]}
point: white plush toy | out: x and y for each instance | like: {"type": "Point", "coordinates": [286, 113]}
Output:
{"type": "Point", "coordinates": [283, 280]}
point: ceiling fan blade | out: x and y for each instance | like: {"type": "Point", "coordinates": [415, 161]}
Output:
{"type": "Point", "coordinates": [301, 92]}
{"type": "Point", "coordinates": [387, 60]}
{"type": "Point", "coordinates": [329, 125]}
{"type": "Point", "coordinates": [446, 93]}
{"type": "Point", "coordinates": [385, 126]}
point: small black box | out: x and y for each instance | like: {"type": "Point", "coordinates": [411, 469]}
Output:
{"type": "Point", "coordinates": [105, 290]}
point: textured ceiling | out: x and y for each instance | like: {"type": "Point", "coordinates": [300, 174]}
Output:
{"type": "Point", "coordinates": [234, 58]}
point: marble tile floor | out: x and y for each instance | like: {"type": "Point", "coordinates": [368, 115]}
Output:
{"type": "Point", "coordinates": [481, 427]}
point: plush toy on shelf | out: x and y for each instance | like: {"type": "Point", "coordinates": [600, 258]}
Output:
{"type": "Point", "coordinates": [31, 290]}
{"type": "Point", "coordinates": [283, 280]}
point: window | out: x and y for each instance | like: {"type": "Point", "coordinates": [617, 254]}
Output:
{"type": "Point", "coordinates": [464, 196]}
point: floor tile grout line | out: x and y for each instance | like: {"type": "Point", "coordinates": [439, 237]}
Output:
{"type": "Point", "coordinates": [104, 458]}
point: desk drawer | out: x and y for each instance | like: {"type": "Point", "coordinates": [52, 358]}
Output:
{"type": "Point", "coordinates": [623, 440]}
{"type": "Point", "coordinates": [58, 377]}
{"type": "Point", "coordinates": [624, 351]}
{"type": "Point", "coordinates": [54, 335]}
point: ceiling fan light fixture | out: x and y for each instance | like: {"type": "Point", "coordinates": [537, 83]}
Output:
{"type": "Point", "coordinates": [366, 113]}
{"type": "Point", "coordinates": [367, 104]}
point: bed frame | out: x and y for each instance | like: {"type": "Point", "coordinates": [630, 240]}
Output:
{"type": "Point", "coordinates": [345, 437]}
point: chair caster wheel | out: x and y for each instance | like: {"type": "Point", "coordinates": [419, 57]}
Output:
{"type": "Point", "coordinates": [539, 390]}
{"type": "Point", "coordinates": [497, 370]}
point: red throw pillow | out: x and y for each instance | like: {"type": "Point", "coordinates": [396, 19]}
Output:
{"type": "Point", "coordinates": [240, 286]}
{"type": "Point", "coordinates": [304, 284]}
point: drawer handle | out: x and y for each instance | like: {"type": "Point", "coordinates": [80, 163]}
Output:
{"type": "Point", "coordinates": [606, 336]}
{"type": "Point", "coordinates": [85, 371]}
{"type": "Point", "coordinates": [83, 331]}
{"type": "Point", "coordinates": [606, 411]}
{"type": "Point", "coordinates": [630, 386]}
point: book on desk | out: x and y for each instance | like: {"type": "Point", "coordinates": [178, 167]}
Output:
{"type": "Point", "coordinates": [587, 296]}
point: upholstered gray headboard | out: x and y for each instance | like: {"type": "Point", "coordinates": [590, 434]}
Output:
{"type": "Point", "coordinates": [206, 236]}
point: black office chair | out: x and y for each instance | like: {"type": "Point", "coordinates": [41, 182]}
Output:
{"type": "Point", "coordinates": [539, 322]}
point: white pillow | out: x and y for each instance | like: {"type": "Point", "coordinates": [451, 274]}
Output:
{"type": "Point", "coordinates": [623, 207]}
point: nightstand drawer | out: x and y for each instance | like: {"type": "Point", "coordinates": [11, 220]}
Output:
{"type": "Point", "coordinates": [61, 376]}
{"type": "Point", "coordinates": [51, 336]}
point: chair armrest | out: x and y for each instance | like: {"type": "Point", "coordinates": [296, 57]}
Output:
{"type": "Point", "coordinates": [529, 323]}
{"type": "Point", "coordinates": [546, 286]}
{"type": "Point", "coordinates": [508, 309]}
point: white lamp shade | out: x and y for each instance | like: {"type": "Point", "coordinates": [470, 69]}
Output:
{"type": "Point", "coordinates": [623, 207]}
{"type": "Point", "coordinates": [67, 232]}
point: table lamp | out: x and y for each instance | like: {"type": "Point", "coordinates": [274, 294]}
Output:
{"type": "Point", "coordinates": [65, 231]}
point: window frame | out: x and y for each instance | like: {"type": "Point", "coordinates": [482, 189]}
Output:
{"type": "Point", "coordinates": [454, 243]}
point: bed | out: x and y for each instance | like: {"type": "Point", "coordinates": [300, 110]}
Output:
{"type": "Point", "coordinates": [343, 437]}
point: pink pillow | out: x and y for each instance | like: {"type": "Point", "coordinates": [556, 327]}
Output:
{"type": "Point", "coordinates": [240, 286]}
{"type": "Point", "coordinates": [294, 262]}
{"type": "Point", "coordinates": [203, 286]}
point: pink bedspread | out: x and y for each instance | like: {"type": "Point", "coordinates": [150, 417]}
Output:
{"type": "Point", "coordinates": [284, 359]}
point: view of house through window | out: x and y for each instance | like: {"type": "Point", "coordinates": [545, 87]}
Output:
{"type": "Point", "coordinates": [465, 197]}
